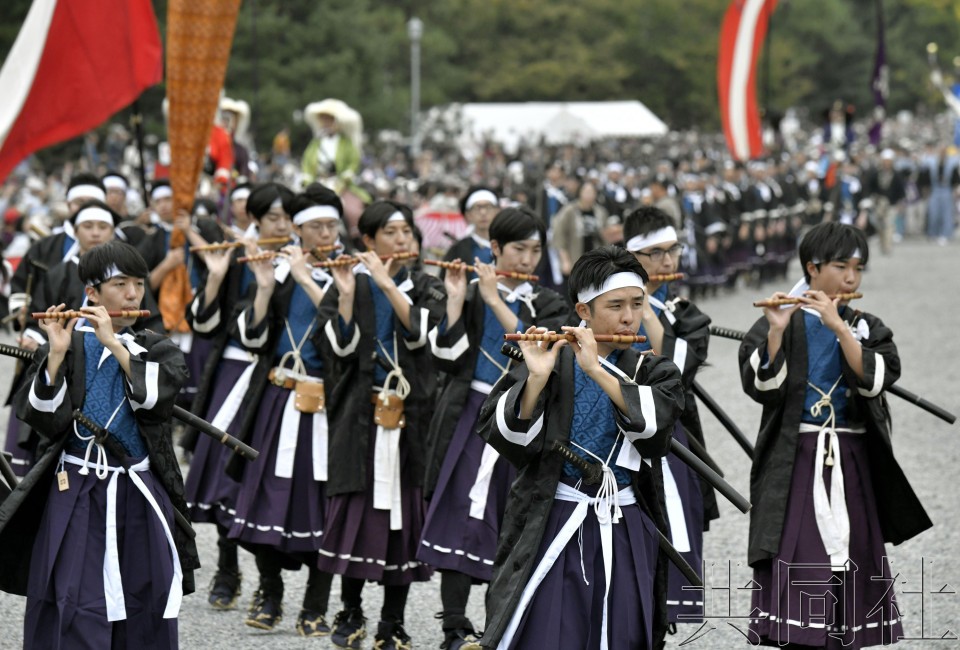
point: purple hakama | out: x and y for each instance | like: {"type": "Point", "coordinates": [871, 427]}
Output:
{"type": "Point", "coordinates": [22, 460]}
{"type": "Point", "coordinates": [799, 599]}
{"type": "Point", "coordinates": [452, 539]}
{"type": "Point", "coordinates": [359, 542]}
{"type": "Point", "coordinates": [566, 612]}
{"type": "Point", "coordinates": [210, 493]}
{"type": "Point", "coordinates": [66, 606]}
{"type": "Point", "coordinates": [284, 513]}
{"type": "Point", "coordinates": [685, 605]}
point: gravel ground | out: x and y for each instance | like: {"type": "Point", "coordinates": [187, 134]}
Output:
{"type": "Point", "coordinates": [901, 289]}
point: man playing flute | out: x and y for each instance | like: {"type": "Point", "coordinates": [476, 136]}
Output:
{"type": "Point", "coordinates": [468, 481]}
{"type": "Point", "coordinates": [825, 487]}
{"type": "Point", "coordinates": [75, 533]}
{"type": "Point", "coordinates": [578, 564]}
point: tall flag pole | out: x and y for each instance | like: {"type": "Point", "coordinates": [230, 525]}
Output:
{"type": "Point", "coordinates": [741, 39]}
{"type": "Point", "coordinates": [64, 75]}
{"type": "Point", "coordinates": [880, 81]}
{"type": "Point", "coordinates": [199, 36]}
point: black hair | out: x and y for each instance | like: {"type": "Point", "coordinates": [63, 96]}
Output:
{"type": "Point", "coordinates": [94, 203]}
{"type": "Point", "coordinates": [644, 220]}
{"type": "Point", "coordinates": [471, 190]}
{"type": "Point", "coordinates": [831, 241]}
{"type": "Point", "coordinates": [316, 194]}
{"type": "Point", "coordinates": [264, 195]}
{"type": "Point", "coordinates": [96, 262]}
{"type": "Point", "coordinates": [376, 214]}
{"type": "Point", "coordinates": [159, 182]}
{"type": "Point", "coordinates": [595, 266]}
{"type": "Point", "coordinates": [85, 178]}
{"type": "Point", "coordinates": [516, 224]}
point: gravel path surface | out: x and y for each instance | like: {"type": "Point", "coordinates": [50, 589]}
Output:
{"type": "Point", "coordinates": [915, 292]}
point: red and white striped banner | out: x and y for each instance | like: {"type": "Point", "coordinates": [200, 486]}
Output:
{"type": "Point", "coordinates": [73, 65]}
{"type": "Point", "coordinates": [741, 39]}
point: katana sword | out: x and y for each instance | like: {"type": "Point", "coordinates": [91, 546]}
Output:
{"type": "Point", "coordinates": [594, 470]}
{"type": "Point", "coordinates": [899, 391]}
{"type": "Point", "coordinates": [681, 452]}
{"type": "Point", "coordinates": [102, 437]}
{"type": "Point", "coordinates": [180, 413]}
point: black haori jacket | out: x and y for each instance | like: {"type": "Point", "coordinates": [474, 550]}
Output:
{"type": "Point", "coordinates": [158, 371]}
{"type": "Point", "coordinates": [781, 388]}
{"type": "Point", "coordinates": [686, 336]}
{"type": "Point", "coordinates": [261, 339]}
{"type": "Point", "coordinates": [215, 321]}
{"type": "Point", "coordinates": [526, 444]}
{"type": "Point", "coordinates": [350, 362]}
{"type": "Point", "coordinates": [455, 354]}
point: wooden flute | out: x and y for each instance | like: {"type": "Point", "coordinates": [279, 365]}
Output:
{"type": "Point", "coordinates": [667, 277]}
{"type": "Point", "coordinates": [470, 268]}
{"type": "Point", "coordinates": [350, 261]}
{"type": "Point", "coordinates": [317, 252]}
{"type": "Point", "coordinates": [72, 313]}
{"type": "Point", "coordinates": [551, 338]}
{"type": "Point", "coordinates": [796, 301]}
{"type": "Point", "coordinates": [220, 246]}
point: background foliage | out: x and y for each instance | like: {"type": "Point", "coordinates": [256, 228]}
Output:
{"type": "Point", "coordinates": [287, 53]}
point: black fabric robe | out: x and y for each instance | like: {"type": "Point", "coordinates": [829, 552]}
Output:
{"type": "Point", "coordinates": [455, 354]}
{"type": "Point", "coordinates": [22, 510]}
{"type": "Point", "coordinates": [781, 389]}
{"type": "Point", "coordinates": [350, 362]}
{"type": "Point", "coordinates": [539, 470]}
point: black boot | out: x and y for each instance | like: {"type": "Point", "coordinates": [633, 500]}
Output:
{"type": "Point", "coordinates": [225, 587]}
{"type": "Point", "coordinates": [391, 636]}
{"type": "Point", "coordinates": [458, 633]}
{"type": "Point", "coordinates": [349, 628]}
{"type": "Point", "coordinates": [267, 607]}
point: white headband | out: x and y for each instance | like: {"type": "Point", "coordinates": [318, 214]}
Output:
{"type": "Point", "coordinates": [481, 195]}
{"type": "Point", "coordinates": [534, 236]}
{"type": "Point", "coordinates": [615, 281]}
{"type": "Point", "coordinates": [114, 183]}
{"type": "Point", "coordinates": [661, 236]}
{"type": "Point", "coordinates": [396, 216]}
{"type": "Point", "coordinates": [93, 214]}
{"type": "Point", "coordinates": [855, 254]}
{"type": "Point", "coordinates": [315, 212]}
{"type": "Point", "coordinates": [110, 273]}
{"type": "Point", "coordinates": [240, 194]}
{"type": "Point", "coordinates": [161, 192]}
{"type": "Point", "coordinates": [277, 203]}
{"type": "Point", "coordinates": [86, 191]}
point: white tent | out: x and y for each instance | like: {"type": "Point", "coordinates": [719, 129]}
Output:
{"type": "Point", "coordinates": [560, 122]}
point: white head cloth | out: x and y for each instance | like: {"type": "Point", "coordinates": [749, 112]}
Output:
{"type": "Point", "coordinates": [161, 192]}
{"type": "Point", "coordinates": [86, 191]}
{"type": "Point", "coordinates": [315, 212]}
{"type": "Point", "coordinates": [93, 214]}
{"type": "Point", "coordinates": [661, 236]}
{"type": "Point", "coordinates": [481, 195]}
{"type": "Point", "coordinates": [614, 282]}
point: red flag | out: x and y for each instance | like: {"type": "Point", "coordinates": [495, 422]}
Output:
{"type": "Point", "coordinates": [73, 65]}
{"type": "Point", "coordinates": [741, 38]}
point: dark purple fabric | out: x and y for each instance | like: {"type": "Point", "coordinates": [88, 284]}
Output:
{"type": "Point", "coordinates": [566, 612]}
{"type": "Point", "coordinates": [66, 608]}
{"type": "Point", "coordinates": [195, 359]}
{"type": "Point", "coordinates": [453, 540]}
{"type": "Point", "coordinates": [859, 607]}
{"type": "Point", "coordinates": [211, 495]}
{"type": "Point", "coordinates": [285, 513]}
{"type": "Point", "coordinates": [22, 460]}
{"type": "Point", "coordinates": [359, 543]}
{"type": "Point", "coordinates": [686, 605]}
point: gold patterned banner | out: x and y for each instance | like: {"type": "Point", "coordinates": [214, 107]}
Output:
{"type": "Point", "coordinates": [199, 36]}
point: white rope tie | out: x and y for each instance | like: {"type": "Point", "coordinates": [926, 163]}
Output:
{"type": "Point", "coordinates": [396, 372]}
{"type": "Point", "coordinates": [833, 520]}
{"type": "Point", "coordinates": [829, 425]}
{"type": "Point", "coordinates": [101, 468]}
{"type": "Point", "coordinates": [606, 500]}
